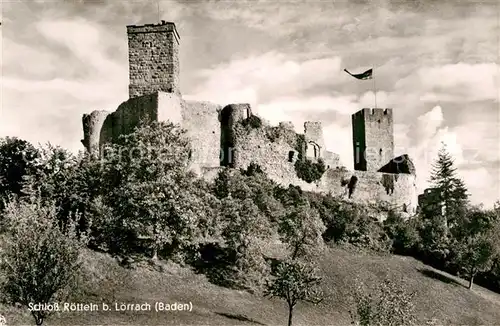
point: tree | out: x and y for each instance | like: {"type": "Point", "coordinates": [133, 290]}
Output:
{"type": "Point", "coordinates": [295, 281]}
{"type": "Point", "coordinates": [390, 304]}
{"type": "Point", "coordinates": [18, 158]}
{"type": "Point", "coordinates": [452, 192]}
{"type": "Point", "coordinates": [403, 233]}
{"type": "Point", "coordinates": [40, 261]}
{"type": "Point", "coordinates": [244, 229]}
{"type": "Point", "coordinates": [52, 180]}
{"type": "Point", "coordinates": [478, 245]}
{"type": "Point", "coordinates": [152, 191]}
{"type": "Point", "coordinates": [302, 230]}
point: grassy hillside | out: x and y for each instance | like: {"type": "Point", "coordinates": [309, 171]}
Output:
{"type": "Point", "coordinates": [440, 295]}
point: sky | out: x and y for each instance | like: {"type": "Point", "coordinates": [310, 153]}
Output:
{"type": "Point", "coordinates": [436, 64]}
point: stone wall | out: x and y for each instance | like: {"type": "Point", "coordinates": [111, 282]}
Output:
{"type": "Point", "coordinates": [201, 120]}
{"type": "Point", "coordinates": [332, 160]}
{"type": "Point", "coordinates": [397, 191]}
{"type": "Point", "coordinates": [373, 138]}
{"type": "Point", "coordinates": [153, 59]}
{"type": "Point", "coordinates": [102, 127]}
{"type": "Point", "coordinates": [253, 145]}
{"type": "Point", "coordinates": [313, 133]}
{"type": "Point", "coordinates": [92, 124]}
{"type": "Point", "coordinates": [230, 117]}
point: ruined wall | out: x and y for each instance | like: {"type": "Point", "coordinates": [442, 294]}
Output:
{"type": "Point", "coordinates": [230, 117]}
{"type": "Point", "coordinates": [157, 106]}
{"type": "Point", "coordinates": [106, 127]}
{"type": "Point", "coordinates": [153, 59]}
{"type": "Point", "coordinates": [273, 156]}
{"type": "Point", "coordinates": [201, 120]}
{"type": "Point", "coordinates": [92, 124]}
{"type": "Point", "coordinates": [332, 160]}
{"type": "Point", "coordinates": [313, 133]}
{"type": "Point", "coordinates": [397, 191]}
{"type": "Point", "coordinates": [130, 113]}
{"type": "Point", "coordinates": [170, 107]}
{"type": "Point", "coordinates": [373, 138]}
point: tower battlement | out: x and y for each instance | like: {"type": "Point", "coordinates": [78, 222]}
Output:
{"type": "Point", "coordinates": [155, 28]}
{"type": "Point", "coordinates": [375, 113]}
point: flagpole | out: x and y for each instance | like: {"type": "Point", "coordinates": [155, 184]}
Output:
{"type": "Point", "coordinates": [158, 7]}
{"type": "Point", "coordinates": [374, 86]}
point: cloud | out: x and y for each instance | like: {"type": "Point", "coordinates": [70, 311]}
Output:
{"type": "Point", "coordinates": [261, 79]}
{"type": "Point", "coordinates": [455, 82]}
{"type": "Point", "coordinates": [422, 141]}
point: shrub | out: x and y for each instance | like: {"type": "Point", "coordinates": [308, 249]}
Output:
{"type": "Point", "coordinates": [252, 121]}
{"type": "Point", "coordinates": [390, 305]}
{"type": "Point", "coordinates": [308, 170]}
{"type": "Point", "coordinates": [253, 169]}
{"type": "Point", "coordinates": [40, 261]}
{"type": "Point", "coordinates": [404, 234]}
{"type": "Point", "coordinates": [353, 224]}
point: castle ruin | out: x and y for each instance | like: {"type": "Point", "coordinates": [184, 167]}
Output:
{"type": "Point", "coordinates": [221, 138]}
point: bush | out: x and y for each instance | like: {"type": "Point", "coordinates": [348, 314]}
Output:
{"type": "Point", "coordinates": [252, 121]}
{"type": "Point", "coordinates": [352, 224]}
{"type": "Point", "coordinates": [253, 169]}
{"type": "Point", "coordinates": [404, 234]}
{"type": "Point", "coordinates": [308, 170]}
{"type": "Point", "coordinates": [390, 305]}
{"type": "Point", "coordinates": [40, 261]}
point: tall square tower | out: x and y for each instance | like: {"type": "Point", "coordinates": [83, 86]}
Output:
{"type": "Point", "coordinates": [153, 59]}
{"type": "Point", "coordinates": [373, 138]}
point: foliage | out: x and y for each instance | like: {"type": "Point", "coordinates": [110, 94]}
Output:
{"type": "Point", "coordinates": [479, 244]}
{"type": "Point", "coordinates": [151, 190]}
{"type": "Point", "coordinates": [389, 305]}
{"type": "Point", "coordinates": [40, 260]}
{"type": "Point", "coordinates": [452, 193]}
{"type": "Point", "coordinates": [252, 121]}
{"type": "Point", "coordinates": [252, 170]}
{"type": "Point", "coordinates": [336, 216]}
{"type": "Point", "coordinates": [53, 181]}
{"type": "Point", "coordinates": [301, 228]}
{"type": "Point", "coordinates": [18, 159]}
{"type": "Point", "coordinates": [348, 223]}
{"type": "Point", "coordinates": [435, 241]}
{"type": "Point", "coordinates": [243, 228]}
{"type": "Point", "coordinates": [403, 233]}
{"type": "Point", "coordinates": [295, 281]}
{"type": "Point", "coordinates": [308, 170]}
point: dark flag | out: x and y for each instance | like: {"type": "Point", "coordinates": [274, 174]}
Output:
{"type": "Point", "coordinates": [366, 75]}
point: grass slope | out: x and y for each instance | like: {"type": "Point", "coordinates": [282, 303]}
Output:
{"type": "Point", "coordinates": [440, 296]}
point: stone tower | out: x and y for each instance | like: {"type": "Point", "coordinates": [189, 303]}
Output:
{"type": "Point", "coordinates": [373, 138]}
{"type": "Point", "coordinates": [313, 133]}
{"type": "Point", "coordinates": [153, 59]}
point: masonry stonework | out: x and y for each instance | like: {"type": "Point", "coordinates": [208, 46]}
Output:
{"type": "Point", "coordinates": [373, 138]}
{"type": "Point", "coordinates": [153, 59]}
{"type": "Point", "coordinates": [92, 125]}
{"type": "Point", "coordinates": [224, 136]}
